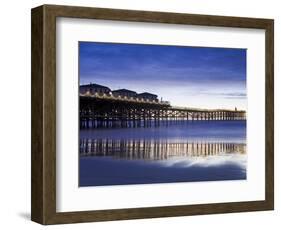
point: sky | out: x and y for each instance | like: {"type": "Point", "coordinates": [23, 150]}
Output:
{"type": "Point", "coordinates": [200, 77]}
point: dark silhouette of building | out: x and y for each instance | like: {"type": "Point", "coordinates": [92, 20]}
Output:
{"type": "Point", "coordinates": [94, 88]}
{"type": "Point", "coordinates": [148, 96]}
{"type": "Point", "coordinates": [124, 93]}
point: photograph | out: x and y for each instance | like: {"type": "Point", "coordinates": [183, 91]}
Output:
{"type": "Point", "coordinates": [149, 114]}
{"type": "Point", "coordinates": [161, 114]}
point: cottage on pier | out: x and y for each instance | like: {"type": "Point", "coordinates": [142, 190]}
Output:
{"type": "Point", "coordinates": [148, 96]}
{"type": "Point", "coordinates": [124, 93]}
{"type": "Point", "coordinates": [94, 88]}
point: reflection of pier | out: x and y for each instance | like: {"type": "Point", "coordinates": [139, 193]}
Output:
{"type": "Point", "coordinates": [109, 111]}
{"type": "Point", "coordinates": [152, 150]}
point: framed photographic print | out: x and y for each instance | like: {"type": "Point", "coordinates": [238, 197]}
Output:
{"type": "Point", "coordinates": [141, 114]}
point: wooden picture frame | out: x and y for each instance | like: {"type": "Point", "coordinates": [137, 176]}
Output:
{"type": "Point", "coordinates": [43, 208]}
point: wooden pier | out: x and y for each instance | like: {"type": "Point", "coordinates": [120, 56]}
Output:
{"type": "Point", "coordinates": [109, 111]}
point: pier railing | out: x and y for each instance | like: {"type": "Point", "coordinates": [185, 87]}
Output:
{"type": "Point", "coordinates": [124, 99]}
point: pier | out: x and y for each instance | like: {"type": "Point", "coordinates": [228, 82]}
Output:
{"type": "Point", "coordinates": [102, 107]}
{"type": "Point", "coordinates": [106, 111]}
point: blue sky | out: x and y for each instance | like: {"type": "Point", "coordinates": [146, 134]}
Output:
{"type": "Point", "coordinates": [200, 77]}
